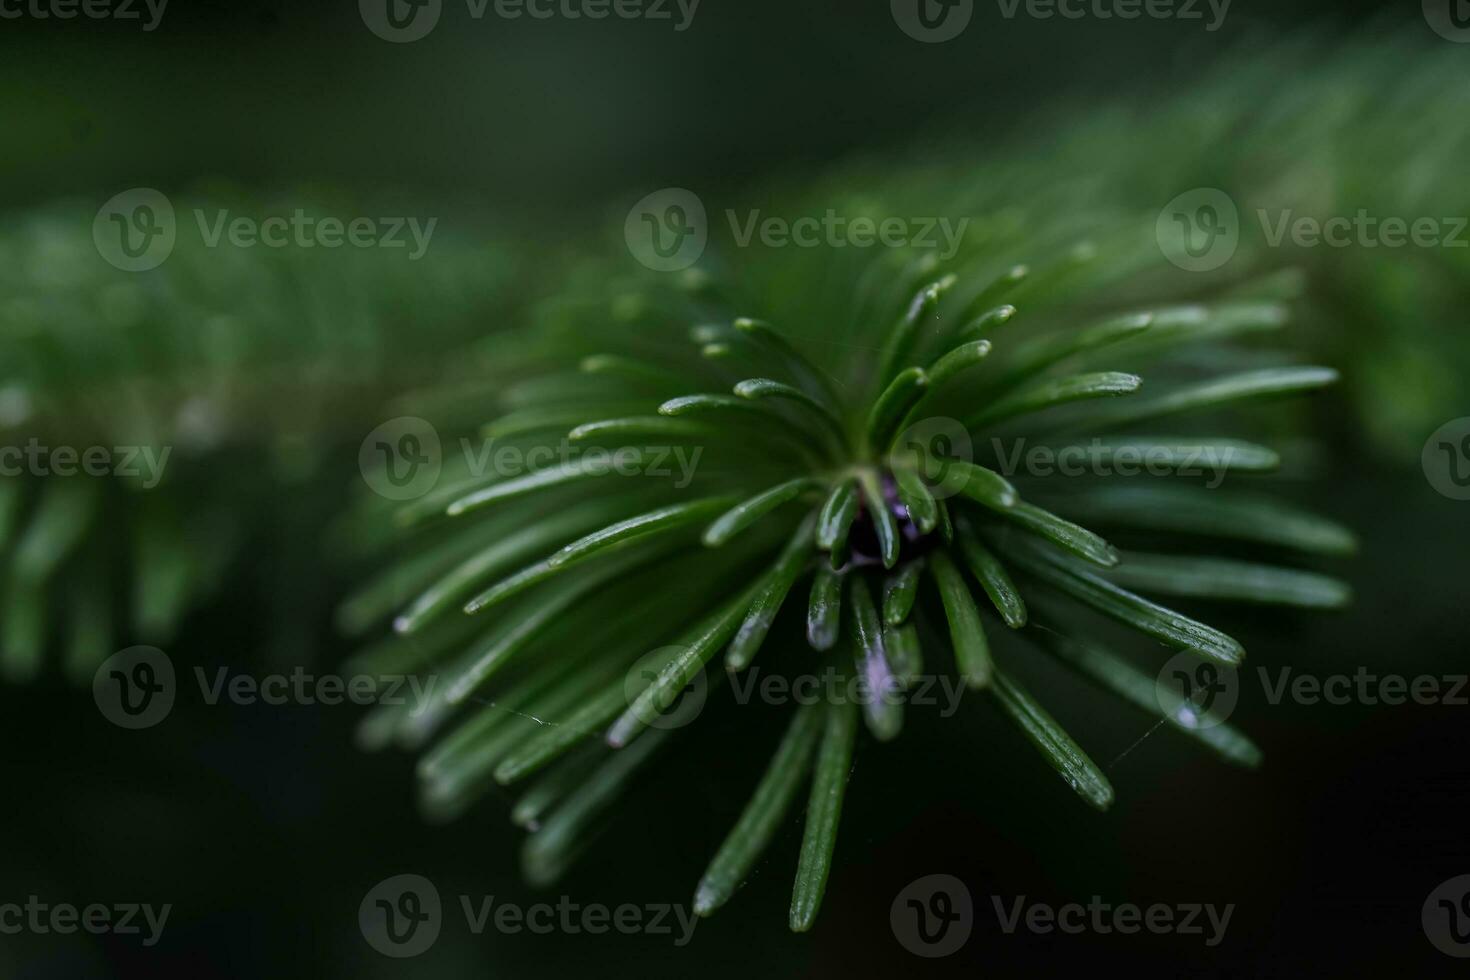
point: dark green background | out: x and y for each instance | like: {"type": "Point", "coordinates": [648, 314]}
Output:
{"type": "Point", "coordinates": [264, 827]}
